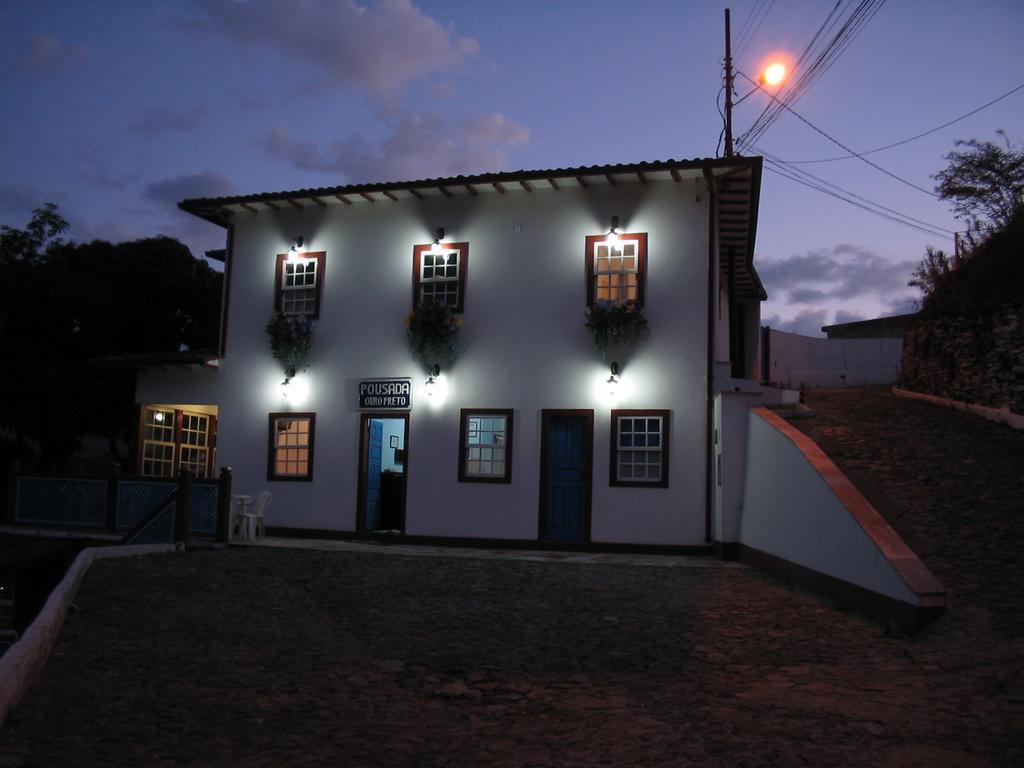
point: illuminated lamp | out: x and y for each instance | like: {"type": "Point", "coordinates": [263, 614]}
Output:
{"type": "Point", "coordinates": [297, 242]}
{"type": "Point", "coordinates": [613, 233]}
{"type": "Point", "coordinates": [432, 373]}
{"type": "Point", "coordinates": [612, 384]}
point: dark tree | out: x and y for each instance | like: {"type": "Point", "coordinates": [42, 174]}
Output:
{"type": "Point", "coordinates": [31, 244]}
{"type": "Point", "coordinates": [931, 271]}
{"type": "Point", "coordinates": [63, 305]}
{"type": "Point", "coordinates": [985, 182]}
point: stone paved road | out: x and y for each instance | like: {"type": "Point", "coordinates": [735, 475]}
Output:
{"type": "Point", "coordinates": [269, 657]}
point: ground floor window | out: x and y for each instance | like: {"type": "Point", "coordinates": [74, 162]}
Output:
{"type": "Point", "coordinates": [639, 455]}
{"type": "Point", "coordinates": [290, 454]}
{"type": "Point", "coordinates": [485, 445]}
{"type": "Point", "coordinates": [173, 439]}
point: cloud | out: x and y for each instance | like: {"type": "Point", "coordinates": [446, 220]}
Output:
{"type": "Point", "coordinates": [806, 296]}
{"type": "Point", "coordinates": [808, 322]}
{"type": "Point", "coordinates": [418, 147]}
{"type": "Point", "coordinates": [159, 121]}
{"type": "Point", "coordinates": [444, 90]}
{"type": "Point", "coordinates": [902, 305]}
{"type": "Point", "coordinates": [379, 47]}
{"type": "Point", "coordinates": [842, 272]}
{"type": "Point", "coordinates": [48, 54]}
{"type": "Point", "coordinates": [206, 184]}
{"type": "Point", "coordinates": [844, 316]}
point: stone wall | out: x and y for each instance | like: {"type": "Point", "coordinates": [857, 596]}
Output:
{"type": "Point", "coordinates": [976, 358]}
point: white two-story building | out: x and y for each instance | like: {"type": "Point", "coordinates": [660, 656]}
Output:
{"type": "Point", "coordinates": [522, 438]}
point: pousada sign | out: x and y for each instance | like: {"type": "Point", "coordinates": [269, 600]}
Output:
{"type": "Point", "coordinates": [385, 393]}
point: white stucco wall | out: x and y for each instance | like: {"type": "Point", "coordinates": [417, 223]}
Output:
{"type": "Point", "coordinates": [523, 346]}
{"type": "Point", "coordinates": [805, 361]}
{"type": "Point", "coordinates": [730, 423]}
{"type": "Point", "coordinates": [790, 511]}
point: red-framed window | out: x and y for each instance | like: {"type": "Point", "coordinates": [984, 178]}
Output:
{"type": "Point", "coordinates": [439, 274]}
{"type": "Point", "coordinates": [290, 446]}
{"type": "Point", "coordinates": [616, 268]}
{"type": "Point", "coordinates": [299, 283]}
{"type": "Point", "coordinates": [639, 448]}
{"type": "Point", "coordinates": [172, 439]}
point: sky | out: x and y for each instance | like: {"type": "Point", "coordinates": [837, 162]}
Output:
{"type": "Point", "coordinates": [115, 111]}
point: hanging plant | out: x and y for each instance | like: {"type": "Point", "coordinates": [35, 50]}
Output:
{"type": "Point", "coordinates": [290, 339]}
{"type": "Point", "coordinates": [432, 330]}
{"type": "Point", "coordinates": [616, 324]}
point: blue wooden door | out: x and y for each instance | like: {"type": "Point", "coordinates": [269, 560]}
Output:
{"type": "Point", "coordinates": [567, 471]}
{"type": "Point", "coordinates": [374, 451]}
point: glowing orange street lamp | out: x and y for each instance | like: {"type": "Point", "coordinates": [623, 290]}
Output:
{"type": "Point", "coordinates": [774, 73]}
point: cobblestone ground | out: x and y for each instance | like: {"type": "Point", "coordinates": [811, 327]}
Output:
{"type": "Point", "coordinates": [263, 657]}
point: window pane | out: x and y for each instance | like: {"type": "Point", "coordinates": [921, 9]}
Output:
{"type": "Point", "coordinates": [485, 448]}
{"type": "Point", "coordinates": [615, 270]}
{"type": "Point", "coordinates": [292, 446]}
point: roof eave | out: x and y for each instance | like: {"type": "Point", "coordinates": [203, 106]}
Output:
{"type": "Point", "coordinates": [216, 210]}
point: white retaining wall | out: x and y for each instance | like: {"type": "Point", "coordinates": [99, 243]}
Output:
{"type": "Point", "coordinates": [797, 361]}
{"type": "Point", "coordinates": [792, 510]}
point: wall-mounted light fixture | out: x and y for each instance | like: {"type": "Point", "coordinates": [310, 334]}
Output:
{"type": "Point", "coordinates": [612, 383]}
{"type": "Point", "coordinates": [295, 390]}
{"type": "Point", "coordinates": [613, 233]}
{"type": "Point", "coordinates": [438, 235]}
{"type": "Point", "coordinates": [293, 251]}
{"type": "Point", "coordinates": [432, 373]}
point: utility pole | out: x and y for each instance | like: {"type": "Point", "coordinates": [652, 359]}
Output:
{"type": "Point", "coordinates": [728, 86]}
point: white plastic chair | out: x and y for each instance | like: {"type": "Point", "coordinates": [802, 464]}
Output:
{"type": "Point", "coordinates": [250, 517]}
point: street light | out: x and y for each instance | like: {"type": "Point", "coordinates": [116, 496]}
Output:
{"type": "Point", "coordinates": [774, 73]}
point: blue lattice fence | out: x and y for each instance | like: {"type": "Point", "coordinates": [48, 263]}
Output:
{"type": "Point", "coordinates": [204, 509]}
{"type": "Point", "coordinates": [137, 498]}
{"type": "Point", "coordinates": [78, 502]}
{"type": "Point", "coordinates": [119, 504]}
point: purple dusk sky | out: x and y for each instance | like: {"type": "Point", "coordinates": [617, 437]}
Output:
{"type": "Point", "coordinates": [117, 110]}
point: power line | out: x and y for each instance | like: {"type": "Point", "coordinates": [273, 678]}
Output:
{"type": "Point", "coordinates": [780, 168]}
{"type": "Point", "coordinates": [839, 144]}
{"type": "Point", "coordinates": [744, 41]}
{"type": "Point", "coordinates": [746, 22]}
{"type": "Point", "coordinates": [821, 62]}
{"type": "Point", "coordinates": [852, 202]}
{"type": "Point", "coordinates": [913, 138]}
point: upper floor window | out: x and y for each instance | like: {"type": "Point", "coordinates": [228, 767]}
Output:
{"type": "Point", "coordinates": [640, 448]}
{"type": "Point", "coordinates": [299, 283]}
{"type": "Point", "coordinates": [290, 454]}
{"type": "Point", "coordinates": [616, 267]}
{"type": "Point", "coordinates": [439, 274]}
{"type": "Point", "coordinates": [485, 445]}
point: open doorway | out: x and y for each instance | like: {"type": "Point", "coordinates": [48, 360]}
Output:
{"type": "Point", "coordinates": [383, 452]}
